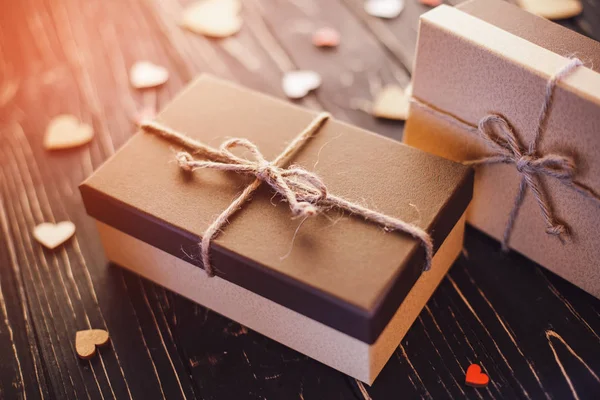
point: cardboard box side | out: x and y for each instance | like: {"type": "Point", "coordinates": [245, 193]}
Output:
{"type": "Point", "coordinates": [417, 299]}
{"type": "Point", "coordinates": [331, 347]}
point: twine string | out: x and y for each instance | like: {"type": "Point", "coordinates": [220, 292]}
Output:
{"type": "Point", "coordinates": [506, 148]}
{"type": "Point", "coordinates": [304, 191]}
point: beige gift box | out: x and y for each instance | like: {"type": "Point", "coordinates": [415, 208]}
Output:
{"type": "Point", "coordinates": [491, 57]}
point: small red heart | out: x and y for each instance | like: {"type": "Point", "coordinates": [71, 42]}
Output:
{"type": "Point", "coordinates": [475, 377]}
{"type": "Point", "coordinates": [431, 3]}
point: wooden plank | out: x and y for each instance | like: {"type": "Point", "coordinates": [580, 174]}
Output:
{"type": "Point", "coordinates": [588, 23]}
{"type": "Point", "coordinates": [398, 35]}
{"type": "Point", "coordinates": [518, 321]}
{"type": "Point", "coordinates": [21, 370]}
{"type": "Point", "coordinates": [72, 288]}
{"type": "Point", "coordinates": [530, 332]}
{"type": "Point", "coordinates": [239, 58]}
{"type": "Point", "coordinates": [353, 73]}
{"type": "Point", "coordinates": [166, 346]}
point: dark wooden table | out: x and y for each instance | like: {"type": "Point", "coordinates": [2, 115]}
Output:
{"type": "Point", "coordinates": [536, 335]}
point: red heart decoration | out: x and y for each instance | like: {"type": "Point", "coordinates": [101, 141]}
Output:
{"type": "Point", "coordinates": [475, 377]}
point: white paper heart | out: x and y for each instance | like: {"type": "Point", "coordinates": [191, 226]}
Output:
{"type": "Point", "coordinates": [297, 84]}
{"type": "Point", "coordinates": [384, 8]}
{"type": "Point", "coordinates": [144, 74]}
{"type": "Point", "coordinates": [391, 103]}
{"type": "Point", "coordinates": [213, 18]}
{"type": "Point", "coordinates": [53, 235]}
{"type": "Point", "coordinates": [66, 131]}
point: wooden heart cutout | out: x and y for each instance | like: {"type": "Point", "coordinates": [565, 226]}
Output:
{"type": "Point", "coordinates": [53, 235]}
{"type": "Point", "coordinates": [475, 377]}
{"type": "Point", "coordinates": [392, 103]}
{"type": "Point", "coordinates": [144, 74]}
{"type": "Point", "coordinates": [86, 342]}
{"type": "Point", "coordinates": [213, 18]}
{"type": "Point", "coordinates": [552, 9]}
{"type": "Point", "coordinates": [66, 131]}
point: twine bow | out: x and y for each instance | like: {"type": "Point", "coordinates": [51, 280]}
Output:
{"type": "Point", "coordinates": [301, 189]}
{"type": "Point", "coordinates": [304, 191]}
{"type": "Point", "coordinates": [506, 148]}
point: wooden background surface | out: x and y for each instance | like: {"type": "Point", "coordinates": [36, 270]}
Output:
{"type": "Point", "coordinates": [535, 335]}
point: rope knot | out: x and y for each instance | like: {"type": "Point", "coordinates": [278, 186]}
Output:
{"type": "Point", "coordinates": [264, 171]}
{"type": "Point", "coordinates": [184, 160]}
{"type": "Point", "coordinates": [524, 164]}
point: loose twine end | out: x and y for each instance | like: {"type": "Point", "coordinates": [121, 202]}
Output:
{"type": "Point", "coordinates": [184, 161]}
{"type": "Point", "coordinates": [304, 209]}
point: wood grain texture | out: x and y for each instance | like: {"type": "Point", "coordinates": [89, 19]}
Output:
{"type": "Point", "coordinates": [533, 333]}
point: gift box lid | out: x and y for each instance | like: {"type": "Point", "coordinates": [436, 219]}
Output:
{"type": "Point", "coordinates": [535, 29]}
{"type": "Point", "coordinates": [489, 55]}
{"type": "Point", "coordinates": [335, 268]}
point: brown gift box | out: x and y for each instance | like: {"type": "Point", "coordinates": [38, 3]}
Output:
{"type": "Point", "coordinates": [343, 291]}
{"type": "Point", "coordinates": [491, 57]}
